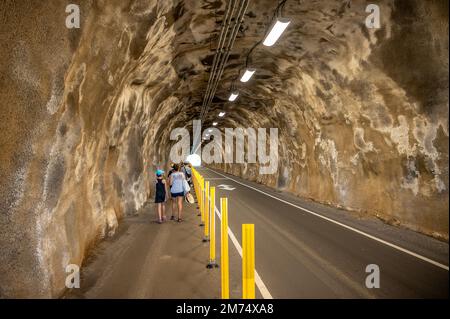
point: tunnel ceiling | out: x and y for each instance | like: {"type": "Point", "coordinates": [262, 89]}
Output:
{"type": "Point", "coordinates": [87, 114]}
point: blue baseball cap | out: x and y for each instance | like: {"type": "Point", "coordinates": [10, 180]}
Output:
{"type": "Point", "coordinates": [159, 172]}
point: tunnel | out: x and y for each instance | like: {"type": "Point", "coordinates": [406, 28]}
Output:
{"type": "Point", "coordinates": [88, 109]}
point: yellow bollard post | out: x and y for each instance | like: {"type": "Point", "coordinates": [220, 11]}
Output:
{"type": "Point", "coordinates": [199, 185]}
{"type": "Point", "coordinates": [197, 194]}
{"type": "Point", "coordinates": [203, 201]}
{"type": "Point", "coordinates": [206, 212]}
{"type": "Point", "coordinates": [224, 261]}
{"type": "Point", "coordinates": [202, 208]}
{"type": "Point", "coordinates": [202, 204]}
{"type": "Point", "coordinates": [212, 229]}
{"type": "Point", "coordinates": [248, 261]}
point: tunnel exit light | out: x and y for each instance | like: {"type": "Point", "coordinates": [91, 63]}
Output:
{"type": "Point", "coordinates": [247, 75]}
{"type": "Point", "coordinates": [233, 96]}
{"type": "Point", "coordinates": [221, 114]}
{"type": "Point", "coordinates": [276, 31]}
{"type": "Point", "coordinates": [194, 159]}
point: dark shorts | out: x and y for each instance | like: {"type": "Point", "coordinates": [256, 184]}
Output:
{"type": "Point", "coordinates": [160, 198]}
{"type": "Point", "coordinates": [177, 194]}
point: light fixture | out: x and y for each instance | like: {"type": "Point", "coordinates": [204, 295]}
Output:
{"type": "Point", "coordinates": [247, 75]}
{"type": "Point", "coordinates": [233, 96]}
{"type": "Point", "coordinates": [221, 114]}
{"type": "Point", "coordinates": [276, 31]}
{"type": "Point", "coordinates": [210, 130]}
{"type": "Point", "coordinates": [215, 123]}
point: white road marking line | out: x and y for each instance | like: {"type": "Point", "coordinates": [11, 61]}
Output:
{"type": "Point", "coordinates": [406, 251]}
{"type": "Point", "coordinates": [225, 187]}
{"type": "Point", "coordinates": [258, 281]}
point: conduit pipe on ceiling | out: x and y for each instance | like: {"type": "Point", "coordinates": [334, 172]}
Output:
{"type": "Point", "coordinates": [229, 11]}
{"type": "Point", "coordinates": [231, 41]}
{"type": "Point", "coordinates": [231, 6]}
{"type": "Point", "coordinates": [222, 57]}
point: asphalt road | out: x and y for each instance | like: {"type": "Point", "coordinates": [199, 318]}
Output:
{"type": "Point", "coordinates": [307, 250]}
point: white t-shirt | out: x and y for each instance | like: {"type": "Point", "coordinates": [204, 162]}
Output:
{"type": "Point", "coordinates": [177, 182]}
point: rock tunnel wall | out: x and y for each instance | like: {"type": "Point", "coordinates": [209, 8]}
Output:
{"type": "Point", "coordinates": [86, 115]}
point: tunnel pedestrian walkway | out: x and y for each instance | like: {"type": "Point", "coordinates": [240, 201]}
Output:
{"type": "Point", "coordinates": [148, 260]}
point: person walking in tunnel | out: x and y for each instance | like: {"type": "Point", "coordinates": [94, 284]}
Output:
{"type": "Point", "coordinates": [178, 189]}
{"type": "Point", "coordinates": [160, 196]}
{"type": "Point", "coordinates": [171, 170]}
{"type": "Point", "coordinates": [187, 172]}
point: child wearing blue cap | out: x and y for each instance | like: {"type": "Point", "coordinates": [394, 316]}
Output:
{"type": "Point", "coordinates": [160, 195]}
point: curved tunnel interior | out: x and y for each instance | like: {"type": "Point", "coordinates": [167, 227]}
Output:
{"type": "Point", "coordinates": [362, 115]}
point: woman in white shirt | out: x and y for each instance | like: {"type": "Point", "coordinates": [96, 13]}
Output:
{"type": "Point", "coordinates": [176, 182]}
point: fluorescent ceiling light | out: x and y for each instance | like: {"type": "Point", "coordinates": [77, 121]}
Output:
{"type": "Point", "coordinates": [215, 123]}
{"type": "Point", "coordinates": [247, 75]}
{"type": "Point", "coordinates": [233, 96]}
{"type": "Point", "coordinates": [277, 29]}
{"type": "Point", "coordinates": [221, 114]}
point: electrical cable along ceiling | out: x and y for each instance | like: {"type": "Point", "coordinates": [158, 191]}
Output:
{"type": "Point", "coordinates": [233, 19]}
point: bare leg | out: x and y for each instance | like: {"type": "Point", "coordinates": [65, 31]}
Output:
{"type": "Point", "coordinates": [180, 207]}
{"type": "Point", "coordinates": [163, 207]}
{"type": "Point", "coordinates": [159, 211]}
{"type": "Point", "coordinates": [173, 206]}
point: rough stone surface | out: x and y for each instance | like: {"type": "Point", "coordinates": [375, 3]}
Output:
{"type": "Point", "coordinates": [86, 114]}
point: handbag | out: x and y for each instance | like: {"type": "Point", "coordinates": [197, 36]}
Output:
{"type": "Point", "coordinates": [186, 187]}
